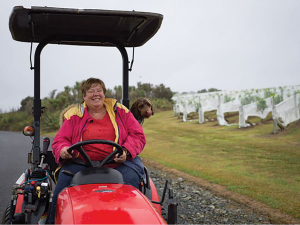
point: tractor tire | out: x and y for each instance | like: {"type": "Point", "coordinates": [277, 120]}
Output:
{"type": "Point", "coordinates": [6, 214]}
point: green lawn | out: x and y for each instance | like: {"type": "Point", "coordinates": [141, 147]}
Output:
{"type": "Point", "coordinates": [250, 161]}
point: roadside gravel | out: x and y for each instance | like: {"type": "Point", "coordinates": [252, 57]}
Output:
{"type": "Point", "coordinates": [198, 206]}
{"type": "Point", "coordinates": [200, 202]}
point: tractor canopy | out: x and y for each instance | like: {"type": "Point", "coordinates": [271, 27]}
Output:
{"type": "Point", "coordinates": [85, 26]}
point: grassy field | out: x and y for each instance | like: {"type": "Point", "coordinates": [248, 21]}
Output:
{"type": "Point", "coordinates": [250, 161]}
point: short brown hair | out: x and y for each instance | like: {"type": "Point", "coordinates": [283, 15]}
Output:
{"type": "Point", "coordinates": [86, 85]}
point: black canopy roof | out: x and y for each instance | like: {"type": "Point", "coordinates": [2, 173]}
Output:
{"type": "Point", "coordinates": [83, 26]}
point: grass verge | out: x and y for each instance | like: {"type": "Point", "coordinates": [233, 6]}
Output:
{"type": "Point", "coordinates": [252, 161]}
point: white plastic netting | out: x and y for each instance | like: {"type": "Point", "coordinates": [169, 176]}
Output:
{"type": "Point", "coordinates": [288, 111]}
{"type": "Point", "coordinates": [283, 102]}
{"type": "Point", "coordinates": [253, 109]}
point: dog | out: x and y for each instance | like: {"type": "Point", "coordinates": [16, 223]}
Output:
{"type": "Point", "coordinates": [142, 109]}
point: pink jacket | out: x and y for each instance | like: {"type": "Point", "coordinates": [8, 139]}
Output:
{"type": "Point", "coordinates": [129, 133]}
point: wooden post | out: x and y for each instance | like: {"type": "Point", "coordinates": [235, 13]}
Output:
{"type": "Point", "coordinates": [184, 118]}
{"type": "Point", "coordinates": [241, 117]}
{"type": "Point", "coordinates": [274, 116]}
{"type": "Point", "coordinates": [200, 113]}
{"type": "Point", "coordinates": [297, 106]}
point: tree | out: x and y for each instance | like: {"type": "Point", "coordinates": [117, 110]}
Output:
{"type": "Point", "coordinates": [202, 91]}
{"type": "Point", "coordinates": [76, 92]}
{"type": "Point", "coordinates": [52, 94]}
{"type": "Point", "coordinates": [109, 93]}
{"type": "Point", "coordinates": [27, 104]}
{"type": "Point", "coordinates": [146, 88]}
{"type": "Point", "coordinates": [161, 91]}
{"type": "Point", "coordinates": [213, 89]}
{"type": "Point", "coordinates": [118, 92]}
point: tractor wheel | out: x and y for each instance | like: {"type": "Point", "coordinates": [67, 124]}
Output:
{"type": "Point", "coordinates": [6, 214]}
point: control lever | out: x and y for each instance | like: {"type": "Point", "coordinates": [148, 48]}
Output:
{"type": "Point", "coordinates": [46, 143]}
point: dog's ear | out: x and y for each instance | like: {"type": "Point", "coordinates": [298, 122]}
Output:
{"type": "Point", "coordinates": [134, 110]}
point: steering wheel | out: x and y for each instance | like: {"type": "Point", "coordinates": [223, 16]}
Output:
{"type": "Point", "coordinates": [88, 162]}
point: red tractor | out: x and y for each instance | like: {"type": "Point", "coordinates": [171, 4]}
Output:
{"type": "Point", "coordinates": [97, 194]}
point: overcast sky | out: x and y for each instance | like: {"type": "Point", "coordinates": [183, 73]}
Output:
{"type": "Point", "coordinates": [225, 44]}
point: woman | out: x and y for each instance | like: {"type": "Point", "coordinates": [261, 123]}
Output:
{"type": "Point", "coordinates": [99, 118]}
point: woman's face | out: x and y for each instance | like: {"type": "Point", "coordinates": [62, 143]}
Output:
{"type": "Point", "coordinates": [94, 97]}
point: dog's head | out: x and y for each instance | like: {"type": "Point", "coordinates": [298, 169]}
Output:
{"type": "Point", "coordinates": [142, 108]}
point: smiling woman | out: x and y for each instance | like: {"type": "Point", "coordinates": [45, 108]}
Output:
{"type": "Point", "coordinates": [94, 119]}
{"type": "Point", "coordinates": [93, 91]}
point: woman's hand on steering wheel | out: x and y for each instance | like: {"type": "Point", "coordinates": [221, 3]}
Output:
{"type": "Point", "coordinates": [121, 158]}
{"type": "Point", "coordinates": [86, 159]}
{"type": "Point", "coordinates": [64, 154]}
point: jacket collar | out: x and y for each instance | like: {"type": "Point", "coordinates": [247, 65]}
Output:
{"type": "Point", "coordinates": [109, 103]}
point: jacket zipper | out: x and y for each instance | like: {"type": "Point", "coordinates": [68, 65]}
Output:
{"type": "Point", "coordinates": [80, 134]}
{"type": "Point", "coordinates": [117, 114]}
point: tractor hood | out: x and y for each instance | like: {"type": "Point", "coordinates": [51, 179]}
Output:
{"type": "Point", "coordinates": [105, 204]}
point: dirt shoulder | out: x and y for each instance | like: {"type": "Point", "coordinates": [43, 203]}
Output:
{"type": "Point", "coordinates": [275, 216]}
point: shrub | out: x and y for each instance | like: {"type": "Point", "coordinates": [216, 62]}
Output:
{"type": "Point", "coordinates": [161, 104]}
{"type": "Point", "coordinates": [50, 121]}
{"type": "Point", "coordinates": [248, 99]}
{"type": "Point", "coordinates": [261, 105]}
{"type": "Point", "coordinates": [227, 98]}
{"type": "Point", "coordinates": [278, 99]}
{"type": "Point", "coordinates": [15, 121]}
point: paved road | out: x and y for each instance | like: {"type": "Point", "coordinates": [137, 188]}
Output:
{"type": "Point", "coordinates": [14, 148]}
